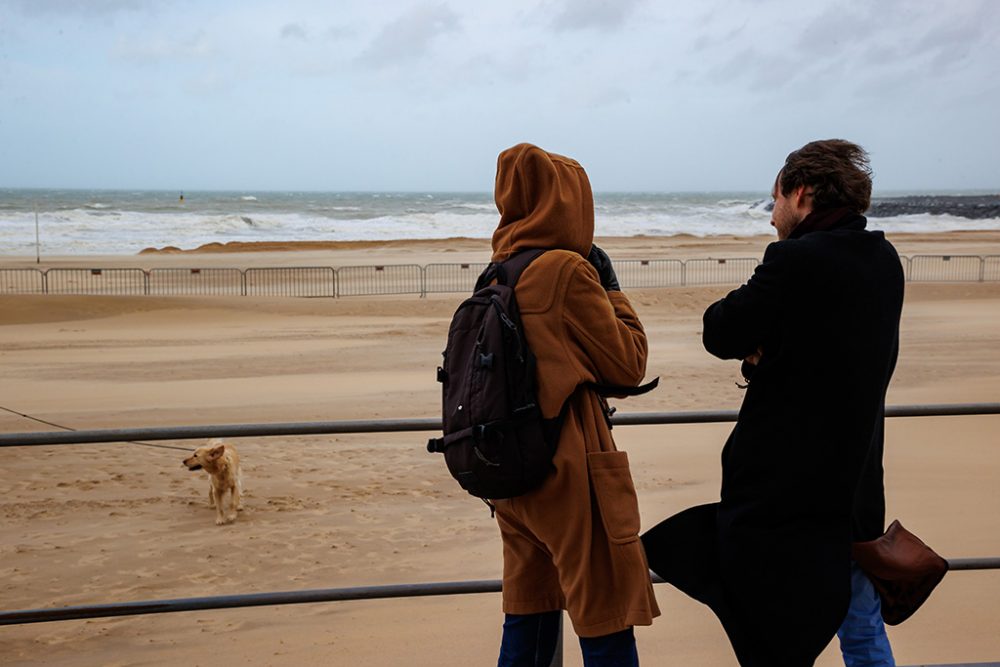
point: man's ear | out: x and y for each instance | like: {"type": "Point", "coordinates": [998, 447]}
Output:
{"type": "Point", "coordinates": [802, 198]}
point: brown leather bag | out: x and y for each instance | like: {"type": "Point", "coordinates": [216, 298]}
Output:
{"type": "Point", "coordinates": [903, 570]}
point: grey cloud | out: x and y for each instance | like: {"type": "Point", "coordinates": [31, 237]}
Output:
{"type": "Point", "coordinates": [706, 41]}
{"type": "Point", "coordinates": [513, 67]}
{"type": "Point", "coordinates": [409, 37]}
{"type": "Point", "coordinates": [293, 31]}
{"type": "Point", "coordinates": [208, 84]}
{"type": "Point", "coordinates": [337, 33]}
{"type": "Point", "coordinates": [836, 31]}
{"type": "Point", "coordinates": [146, 51]}
{"type": "Point", "coordinates": [607, 15]}
{"type": "Point", "coordinates": [84, 7]}
{"type": "Point", "coordinates": [607, 97]}
{"type": "Point", "coordinates": [950, 43]}
{"type": "Point", "coordinates": [757, 71]}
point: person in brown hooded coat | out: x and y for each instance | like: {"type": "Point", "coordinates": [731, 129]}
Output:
{"type": "Point", "coordinates": [573, 542]}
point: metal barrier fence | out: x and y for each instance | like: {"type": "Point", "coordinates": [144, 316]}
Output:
{"type": "Point", "coordinates": [378, 280]}
{"type": "Point", "coordinates": [640, 273]}
{"type": "Point", "coordinates": [906, 262]}
{"type": "Point", "coordinates": [722, 271]}
{"type": "Point", "coordinates": [452, 277]}
{"type": "Point", "coordinates": [196, 282]}
{"type": "Point", "coordinates": [314, 281]}
{"type": "Point", "coordinates": [324, 281]}
{"type": "Point", "coordinates": [22, 281]}
{"type": "Point", "coordinates": [946, 268]}
{"type": "Point", "coordinates": [991, 268]}
{"type": "Point", "coordinates": [410, 425]}
{"type": "Point", "coordinates": [117, 609]}
{"type": "Point", "coordinates": [111, 282]}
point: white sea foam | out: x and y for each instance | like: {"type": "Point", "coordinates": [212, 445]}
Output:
{"type": "Point", "coordinates": [75, 224]}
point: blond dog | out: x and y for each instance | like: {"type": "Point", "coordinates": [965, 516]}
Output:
{"type": "Point", "coordinates": [222, 464]}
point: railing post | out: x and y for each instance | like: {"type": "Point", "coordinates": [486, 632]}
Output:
{"type": "Point", "coordinates": [982, 268]}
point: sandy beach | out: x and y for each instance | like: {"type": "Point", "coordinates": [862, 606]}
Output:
{"type": "Point", "coordinates": [87, 524]}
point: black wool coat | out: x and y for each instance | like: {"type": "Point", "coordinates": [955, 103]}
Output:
{"type": "Point", "coordinates": [802, 469]}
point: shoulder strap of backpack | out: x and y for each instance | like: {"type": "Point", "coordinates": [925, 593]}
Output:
{"type": "Point", "coordinates": [510, 270]}
{"type": "Point", "coordinates": [616, 390]}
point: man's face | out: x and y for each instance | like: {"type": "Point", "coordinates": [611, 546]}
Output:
{"type": "Point", "coordinates": [789, 210]}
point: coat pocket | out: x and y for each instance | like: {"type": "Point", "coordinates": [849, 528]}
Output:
{"type": "Point", "coordinates": [615, 493]}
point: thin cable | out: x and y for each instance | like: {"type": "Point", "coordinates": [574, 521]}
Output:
{"type": "Point", "coordinates": [67, 428]}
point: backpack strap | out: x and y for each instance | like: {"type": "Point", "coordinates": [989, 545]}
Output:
{"type": "Point", "coordinates": [441, 444]}
{"type": "Point", "coordinates": [616, 390]}
{"type": "Point", "coordinates": [508, 271]}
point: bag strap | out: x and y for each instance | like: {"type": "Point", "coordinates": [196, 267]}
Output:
{"type": "Point", "coordinates": [509, 271]}
{"type": "Point", "coordinates": [616, 390]}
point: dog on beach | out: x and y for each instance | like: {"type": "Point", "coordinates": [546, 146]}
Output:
{"type": "Point", "coordinates": [222, 464]}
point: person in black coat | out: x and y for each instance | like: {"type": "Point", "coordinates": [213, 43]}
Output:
{"type": "Point", "coordinates": [817, 329]}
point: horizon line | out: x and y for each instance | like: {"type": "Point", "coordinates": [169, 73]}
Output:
{"type": "Point", "coordinates": [245, 191]}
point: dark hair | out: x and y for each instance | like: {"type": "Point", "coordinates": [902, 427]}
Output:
{"type": "Point", "coordinates": [837, 171]}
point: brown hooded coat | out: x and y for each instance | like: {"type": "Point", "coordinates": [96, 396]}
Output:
{"type": "Point", "coordinates": [573, 542]}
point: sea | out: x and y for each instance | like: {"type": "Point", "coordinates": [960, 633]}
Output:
{"type": "Point", "coordinates": [124, 222]}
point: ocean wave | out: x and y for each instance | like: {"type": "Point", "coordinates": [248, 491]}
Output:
{"type": "Point", "coordinates": [135, 222]}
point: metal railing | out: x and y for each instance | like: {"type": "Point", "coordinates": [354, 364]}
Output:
{"type": "Point", "coordinates": [367, 426]}
{"type": "Point", "coordinates": [719, 271]}
{"type": "Point", "coordinates": [374, 280]}
{"type": "Point", "coordinates": [111, 282]}
{"type": "Point", "coordinates": [22, 281]}
{"type": "Point", "coordinates": [195, 282]}
{"type": "Point", "coordinates": [906, 262]}
{"type": "Point", "coordinates": [640, 273]}
{"type": "Point", "coordinates": [380, 279]}
{"type": "Point", "coordinates": [301, 281]}
{"type": "Point", "coordinates": [410, 425]}
{"type": "Point", "coordinates": [452, 277]}
{"type": "Point", "coordinates": [991, 268]}
{"type": "Point", "coordinates": [117, 609]}
{"type": "Point", "coordinates": [277, 598]}
{"type": "Point", "coordinates": [946, 268]}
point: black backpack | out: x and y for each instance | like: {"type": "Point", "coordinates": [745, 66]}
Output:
{"type": "Point", "coordinates": [496, 443]}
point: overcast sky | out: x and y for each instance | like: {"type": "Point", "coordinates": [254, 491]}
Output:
{"type": "Point", "coordinates": [411, 95]}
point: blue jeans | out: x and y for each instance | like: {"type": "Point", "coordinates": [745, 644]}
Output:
{"type": "Point", "coordinates": [529, 640]}
{"type": "Point", "coordinates": [863, 641]}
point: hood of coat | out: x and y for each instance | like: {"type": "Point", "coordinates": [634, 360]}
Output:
{"type": "Point", "coordinates": [544, 201]}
